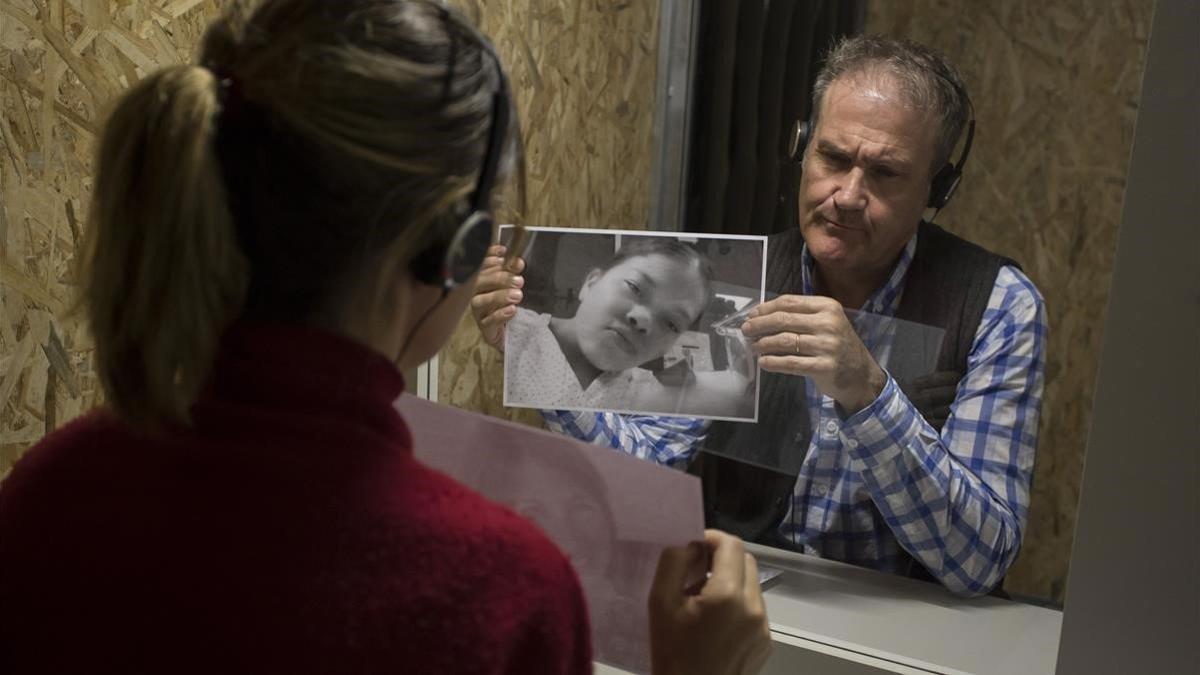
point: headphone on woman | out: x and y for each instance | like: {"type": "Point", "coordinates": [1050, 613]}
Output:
{"type": "Point", "coordinates": [944, 182]}
{"type": "Point", "coordinates": [450, 261]}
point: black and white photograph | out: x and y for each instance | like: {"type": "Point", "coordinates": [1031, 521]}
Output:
{"type": "Point", "coordinates": [635, 322]}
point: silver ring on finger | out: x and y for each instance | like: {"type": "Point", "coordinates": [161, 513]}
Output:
{"type": "Point", "coordinates": [797, 343]}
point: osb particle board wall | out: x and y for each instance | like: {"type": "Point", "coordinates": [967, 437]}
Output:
{"type": "Point", "coordinates": [584, 81]}
{"type": "Point", "coordinates": [585, 77]}
{"type": "Point", "coordinates": [1055, 86]}
{"type": "Point", "coordinates": [60, 64]}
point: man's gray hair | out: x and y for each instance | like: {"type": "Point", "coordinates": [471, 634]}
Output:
{"type": "Point", "coordinates": [925, 79]}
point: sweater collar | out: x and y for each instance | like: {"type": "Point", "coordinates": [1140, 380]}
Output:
{"type": "Point", "coordinates": [298, 369]}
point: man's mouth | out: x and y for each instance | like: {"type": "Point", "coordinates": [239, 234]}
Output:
{"type": "Point", "coordinates": [837, 225]}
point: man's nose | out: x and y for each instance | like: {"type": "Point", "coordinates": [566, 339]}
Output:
{"type": "Point", "coordinates": [851, 196]}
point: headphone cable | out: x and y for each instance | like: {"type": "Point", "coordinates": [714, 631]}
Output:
{"type": "Point", "coordinates": [417, 327]}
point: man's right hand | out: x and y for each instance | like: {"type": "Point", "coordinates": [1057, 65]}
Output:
{"type": "Point", "coordinates": [497, 292]}
{"type": "Point", "coordinates": [720, 630]}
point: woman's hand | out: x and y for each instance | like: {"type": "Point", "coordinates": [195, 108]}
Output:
{"type": "Point", "coordinates": [497, 292]}
{"type": "Point", "coordinates": [721, 629]}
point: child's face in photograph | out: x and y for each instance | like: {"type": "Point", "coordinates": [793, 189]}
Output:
{"type": "Point", "coordinates": [636, 310]}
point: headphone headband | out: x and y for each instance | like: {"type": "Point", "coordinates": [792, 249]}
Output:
{"type": "Point", "coordinates": [450, 262]}
{"type": "Point", "coordinates": [495, 143]}
{"type": "Point", "coordinates": [946, 180]}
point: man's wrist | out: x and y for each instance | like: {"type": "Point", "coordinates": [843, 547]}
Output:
{"type": "Point", "coordinates": [866, 394]}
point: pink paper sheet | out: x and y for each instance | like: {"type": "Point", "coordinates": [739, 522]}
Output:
{"type": "Point", "coordinates": [612, 514]}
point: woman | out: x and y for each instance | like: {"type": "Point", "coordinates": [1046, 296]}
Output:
{"type": "Point", "coordinates": [275, 235]}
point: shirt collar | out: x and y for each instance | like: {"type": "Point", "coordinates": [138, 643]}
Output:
{"type": "Point", "coordinates": [885, 300]}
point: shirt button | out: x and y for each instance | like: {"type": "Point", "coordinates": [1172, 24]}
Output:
{"type": "Point", "coordinates": [821, 490]}
{"type": "Point", "coordinates": [831, 427]}
{"type": "Point", "coordinates": [851, 442]}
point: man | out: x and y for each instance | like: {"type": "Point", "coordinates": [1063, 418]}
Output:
{"type": "Point", "coordinates": [896, 468]}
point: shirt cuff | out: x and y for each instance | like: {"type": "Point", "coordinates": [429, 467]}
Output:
{"type": "Point", "coordinates": [879, 432]}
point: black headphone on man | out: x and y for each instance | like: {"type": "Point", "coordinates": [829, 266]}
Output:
{"type": "Point", "coordinates": [944, 182]}
{"type": "Point", "coordinates": [449, 261]}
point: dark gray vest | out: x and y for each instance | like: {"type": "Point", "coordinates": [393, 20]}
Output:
{"type": "Point", "coordinates": [948, 285]}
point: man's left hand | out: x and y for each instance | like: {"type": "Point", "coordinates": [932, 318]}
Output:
{"type": "Point", "coordinates": [810, 336]}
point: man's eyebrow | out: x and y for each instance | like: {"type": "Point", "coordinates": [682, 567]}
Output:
{"type": "Point", "coordinates": [830, 148]}
{"type": "Point", "coordinates": [887, 159]}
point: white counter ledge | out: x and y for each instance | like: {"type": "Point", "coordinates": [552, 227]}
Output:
{"type": "Point", "coordinates": [830, 618]}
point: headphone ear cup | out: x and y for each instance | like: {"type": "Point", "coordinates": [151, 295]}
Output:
{"type": "Point", "coordinates": [468, 248]}
{"type": "Point", "coordinates": [798, 140]}
{"type": "Point", "coordinates": [452, 262]}
{"type": "Point", "coordinates": [942, 187]}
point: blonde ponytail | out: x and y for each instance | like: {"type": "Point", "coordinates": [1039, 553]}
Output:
{"type": "Point", "coordinates": [162, 274]}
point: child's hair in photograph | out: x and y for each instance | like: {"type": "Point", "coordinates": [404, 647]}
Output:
{"type": "Point", "coordinates": [633, 246]}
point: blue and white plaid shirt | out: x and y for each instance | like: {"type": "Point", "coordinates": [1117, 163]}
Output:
{"type": "Point", "coordinates": [883, 481]}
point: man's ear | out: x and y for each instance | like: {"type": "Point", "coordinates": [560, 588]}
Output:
{"type": "Point", "coordinates": [589, 281]}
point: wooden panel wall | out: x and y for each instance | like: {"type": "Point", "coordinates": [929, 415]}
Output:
{"type": "Point", "coordinates": [1055, 86]}
{"type": "Point", "coordinates": [584, 80]}
{"type": "Point", "coordinates": [585, 77]}
{"type": "Point", "coordinates": [61, 63]}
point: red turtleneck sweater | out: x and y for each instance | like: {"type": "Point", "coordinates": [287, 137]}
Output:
{"type": "Point", "coordinates": [289, 531]}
